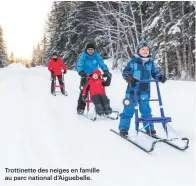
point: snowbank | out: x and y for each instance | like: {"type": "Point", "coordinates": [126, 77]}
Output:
{"type": "Point", "coordinates": [17, 67]}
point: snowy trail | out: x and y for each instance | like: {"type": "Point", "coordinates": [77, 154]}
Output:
{"type": "Point", "coordinates": [39, 130]}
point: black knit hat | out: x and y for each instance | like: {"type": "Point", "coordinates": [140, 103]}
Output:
{"type": "Point", "coordinates": [54, 54]}
{"type": "Point", "coordinates": [90, 45]}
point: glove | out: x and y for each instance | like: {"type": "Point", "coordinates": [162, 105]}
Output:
{"type": "Point", "coordinates": [162, 78]}
{"type": "Point", "coordinates": [65, 71]}
{"type": "Point", "coordinates": [82, 73]}
{"type": "Point", "coordinates": [131, 80]}
{"type": "Point", "coordinates": [83, 81]}
{"type": "Point", "coordinates": [107, 73]}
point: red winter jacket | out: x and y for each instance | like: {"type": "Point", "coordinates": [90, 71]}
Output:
{"type": "Point", "coordinates": [95, 87]}
{"type": "Point", "coordinates": [56, 66]}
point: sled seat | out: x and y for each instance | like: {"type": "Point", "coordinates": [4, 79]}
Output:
{"type": "Point", "coordinates": [61, 86]}
{"type": "Point", "coordinates": [155, 119]}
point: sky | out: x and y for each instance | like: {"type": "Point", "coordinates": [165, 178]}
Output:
{"type": "Point", "coordinates": [23, 24]}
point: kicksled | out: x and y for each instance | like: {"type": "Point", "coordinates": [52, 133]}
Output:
{"type": "Point", "coordinates": [55, 86]}
{"type": "Point", "coordinates": [147, 142]}
{"type": "Point", "coordinates": [91, 114]}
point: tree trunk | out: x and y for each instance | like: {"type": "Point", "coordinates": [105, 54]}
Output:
{"type": "Point", "coordinates": [190, 60]}
{"type": "Point", "coordinates": [184, 43]}
{"type": "Point", "coordinates": [141, 20]}
{"type": "Point", "coordinates": [165, 46]}
{"type": "Point", "coordinates": [133, 39]}
{"type": "Point", "coordinates": [134, 23]}
{"type": "Point", "coordinates": [179, 62]}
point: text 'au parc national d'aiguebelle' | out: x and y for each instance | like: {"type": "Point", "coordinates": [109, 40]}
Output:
{"type": "Point", "coordinates": [30, 174]}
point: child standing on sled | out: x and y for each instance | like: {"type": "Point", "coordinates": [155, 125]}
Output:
{"type": "Point", "coordinates": [96, 86]}
{"type": "Point", "coordinates": [55, 66]}
{"type": "Point", "coordinates": [141, 67]}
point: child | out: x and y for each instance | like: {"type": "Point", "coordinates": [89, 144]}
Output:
{"type": "Point", "coordinates": [142, 67]}
{"type": "Point", "coordinates": [55, 66]}
{"type": "Point", "coordinates": [88, 61]}
{"type": "Point", "coordinates": [96, 86]}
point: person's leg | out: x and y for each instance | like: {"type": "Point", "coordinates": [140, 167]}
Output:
{"type": "Point", "coordinates": [106, 104]}
{"type": "Point", "coordinates": [61, 83]}
{"type": "Point", "coordinates": [146, 111]}
{"type": "Point", "coordinates": [96, 99]}
{"type": "Point", "coordinates": [81, 104]}
{"type": "Point", "coordinates": [125, 117]}
{"type": "Point", "coordinates": [52, 83]}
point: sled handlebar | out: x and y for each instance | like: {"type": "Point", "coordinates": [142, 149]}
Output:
{"type": "Point", "coordinates": [147, 81]}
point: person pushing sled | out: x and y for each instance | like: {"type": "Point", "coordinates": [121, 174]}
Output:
{"type": "Point", "coordinates": [139, 73]}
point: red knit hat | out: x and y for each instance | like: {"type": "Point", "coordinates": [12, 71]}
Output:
{"type": "Point", "coordinates": [98, 72]}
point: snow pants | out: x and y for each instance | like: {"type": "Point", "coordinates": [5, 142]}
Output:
{"type": "Point", "coordinates": [60, 82]}
{"type": "Point", "coordinates": [81, 102]}
{"type": "Point", "coordinates": [102, 104]}
{"type": "Point", "coordinates": [128, 112]}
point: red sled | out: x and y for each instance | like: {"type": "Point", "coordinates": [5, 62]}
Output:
{"type": "Point", "coordinates": [90, 109]}
{"type": "Point", "coordinates": [59, 86]}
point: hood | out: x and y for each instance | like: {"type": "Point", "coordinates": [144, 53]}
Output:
{"type": "Point", "coordinates": [140, 45]}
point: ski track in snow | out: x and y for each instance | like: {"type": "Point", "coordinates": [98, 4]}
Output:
{"type": "Point", "coordinates": [40, 130]}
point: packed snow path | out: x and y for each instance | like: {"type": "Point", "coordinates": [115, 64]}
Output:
{"type": "Point", "coordinates": [40, 130]}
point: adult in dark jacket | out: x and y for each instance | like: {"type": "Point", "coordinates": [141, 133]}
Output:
{"type": "Point", "coordinates": [89, 61]}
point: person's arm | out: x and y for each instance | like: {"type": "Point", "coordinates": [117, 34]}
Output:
{"type": "Point", "coordinates": [80, 66]}
{"type": "Point", "coordinates": [107, 82]}
{"type": "Point", "coordinates": [63, 65]}
{"type": "Point", "coordinates": [86, 87]}
{"type": "Point", "coordinates": [156, 74]}
{"type": "Point", "coordinates": [49, 65]}
{"type": "Point", "coordinates": [155, 71]}
{"type": "Point", "coordinates": [128, 74]}
{"type": "Point", "coordinates": [101, 63]}
{"type": "Point", "coordinates": [128, 70]}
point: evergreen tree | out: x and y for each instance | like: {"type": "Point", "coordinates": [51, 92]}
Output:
{"type": "Point", "coordinates": [3, 55]}
{"type": "Point", "coordinates": [117, 27]}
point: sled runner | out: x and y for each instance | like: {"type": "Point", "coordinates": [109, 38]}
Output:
{"type": "Point", "coordinates": [90, 111]}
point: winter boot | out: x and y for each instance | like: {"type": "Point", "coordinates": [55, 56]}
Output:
{"type": "Point", "coordinates": [124, 133]}
{"type": "Point", "coordinates": [151, 132]}
{"type": "Point", "coordinates": [108, 112]}
{"type": "Point", "coordinates": [52, 90]}
{"type": "Point", "coordinates": [63, 92]}
{"type": "Point", "coordinates": [53, 93]}
{"type": "Point", "coordinates": [80, 111]}
{"type": "Point", "coordinates": [107, 109]}
{"type": "Point", "coordinates": [99, 109]}
{"type": "Point", "coordinates": [100, 112]}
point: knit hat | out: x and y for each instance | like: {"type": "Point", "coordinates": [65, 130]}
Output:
{"type": "Point", "coordinates": [140, 45]}
{"type": "Point", "coordinates": [90, 45]}
{"type": "Point", "coordinates": [54, 54]}
{"type": "Point", "coordinates": [98, 72]}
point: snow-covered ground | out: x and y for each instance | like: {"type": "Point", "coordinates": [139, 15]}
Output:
{"type": "Point", "coordinates": [40, 130]}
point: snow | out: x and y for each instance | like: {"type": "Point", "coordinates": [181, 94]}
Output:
{"type": "Point", "coordinates": [154, 22]}
{"type": "Point", "coordinates": [174, 29]}
{"type": "Point", "coordinates": [40, 130]}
